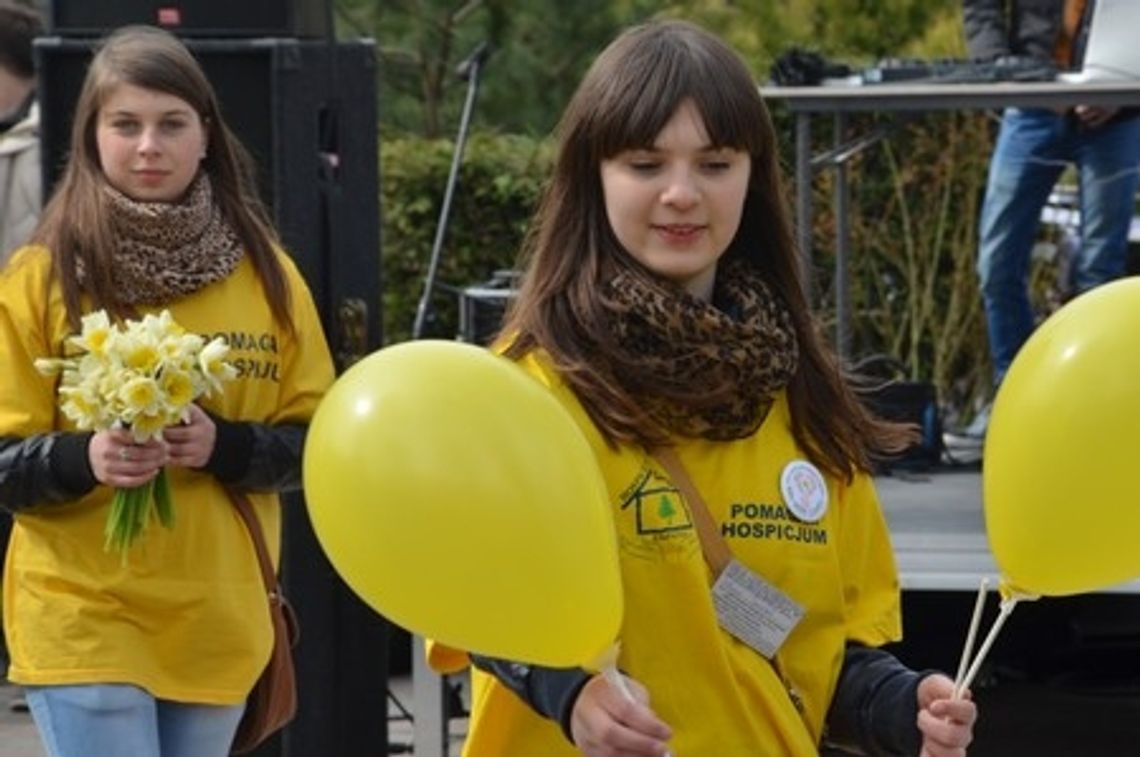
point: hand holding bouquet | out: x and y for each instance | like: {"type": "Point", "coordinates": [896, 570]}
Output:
{"type": "Point", "coordinates": [141, 376]}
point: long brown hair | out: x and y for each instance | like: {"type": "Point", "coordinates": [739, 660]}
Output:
{"type": "Point", "coordinates": [76, 226]}
{"type": "Point", "coordinates": [629, 94]}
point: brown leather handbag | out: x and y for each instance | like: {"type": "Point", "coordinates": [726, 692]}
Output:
{"type": "Point", "coordinates": [273, 701]}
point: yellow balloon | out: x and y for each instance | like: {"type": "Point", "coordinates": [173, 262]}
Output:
{"type": "Point", "coordinates": [458, 498]}
{"type": "Point", "coordinates": [1063, 447]}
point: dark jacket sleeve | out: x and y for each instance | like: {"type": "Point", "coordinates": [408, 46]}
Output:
{"type": "Point", "coordinates": [875, 708]}
{"type": "Point", "coordinates": [257, 456]}
{"type": "Point", "coordinates": [986, 28]}
{"type": "Point", "coordinates": [551, 692]}
{"type": "Point", "coordinates": [51, 468]}
{"type": "Point", "coordinates": [44, 469]}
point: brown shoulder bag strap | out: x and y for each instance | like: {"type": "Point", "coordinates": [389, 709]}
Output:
{"type": "Point", "coordinates": [715, 548]}
{"type": "Point", "coordinates": [244, 507]}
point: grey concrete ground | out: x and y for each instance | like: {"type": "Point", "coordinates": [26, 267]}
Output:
{"type": "Point", "coordinates": [17, 734]}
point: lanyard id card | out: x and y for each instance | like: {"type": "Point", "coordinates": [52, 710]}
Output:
{"type": "Point", "coordinates": [747, 606]}
{"type": "Point", "coordinates": [753, 610]}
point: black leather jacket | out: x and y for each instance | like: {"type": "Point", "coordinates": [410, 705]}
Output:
{"type": "Point", "coordinates": [1018, 27]}
{"type": "Point", "coordinates": [51, 468]}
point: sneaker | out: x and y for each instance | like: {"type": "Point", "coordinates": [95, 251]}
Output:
{"type": "Point", "coordinates": [18, 704]}
{"type": "Point", "coordinates": [967, 445]}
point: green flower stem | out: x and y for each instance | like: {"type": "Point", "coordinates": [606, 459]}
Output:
{"type": "Point", "coordinates": [130, 510]}
{"type": "Point", "coordinates": [163, 506]}
{"type": "Point", "coordinates": [111, 530]}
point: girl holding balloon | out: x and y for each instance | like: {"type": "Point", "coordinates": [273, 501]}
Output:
{"type": "Point", "coordinates": [662, 305]}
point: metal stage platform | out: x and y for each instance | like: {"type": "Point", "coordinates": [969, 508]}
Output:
{"type": "Point", "coordinates": [938, 530]}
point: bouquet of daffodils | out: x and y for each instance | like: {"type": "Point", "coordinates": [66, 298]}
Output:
{"type": "Point", "coordinates": [141, 375]}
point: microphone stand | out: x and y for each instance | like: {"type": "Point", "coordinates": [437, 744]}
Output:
{"type": "Point", "coordinates": [434, 723]}
{"type": "Point", "coordinates": [467, 71]}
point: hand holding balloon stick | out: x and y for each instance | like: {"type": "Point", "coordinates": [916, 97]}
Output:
{"type": "Point", "coordinates": [970, 664]}
{"type": "Point", "coordinates": [607, 665]}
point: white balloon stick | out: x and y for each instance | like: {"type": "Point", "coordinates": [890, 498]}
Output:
{"type": "Point", "coordinates": [1007, 606]}
{"type": "Point", "coordinates": [614, 677]}
{"type": "Point", "coordinates": [971, 635]}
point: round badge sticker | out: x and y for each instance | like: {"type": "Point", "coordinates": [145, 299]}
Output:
{"type": "Point", "coordinates": [804, 490]}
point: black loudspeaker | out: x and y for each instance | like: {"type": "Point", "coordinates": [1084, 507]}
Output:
{"type": "Point", "coordinates": [306, 110]}
{"type": "Point", "coordinates": [192, 18]}
{"type": "Point", "coordinates": [894, 397]}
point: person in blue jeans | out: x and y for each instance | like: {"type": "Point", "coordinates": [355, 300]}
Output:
{"type": "Point", "coordinates": [1033, 147]}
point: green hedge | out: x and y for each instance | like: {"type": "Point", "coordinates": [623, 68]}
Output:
{"type": "Point", "coordinates": [499, 183]}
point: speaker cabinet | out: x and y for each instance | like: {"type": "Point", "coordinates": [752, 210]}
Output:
{"type": "Point", "coordinates": [306, 110]}
{"type": "Point", "coordinates": [192, 18]}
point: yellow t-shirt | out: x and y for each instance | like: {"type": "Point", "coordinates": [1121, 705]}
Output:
{"type": "Point", "coordinates": [719, 696]}
{"type": "Point", "coordinates": [185, 617]}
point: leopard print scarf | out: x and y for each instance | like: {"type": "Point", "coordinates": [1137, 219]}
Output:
{"type": "Point", "coordinates": [168, 250]}
{"type": "Point", "coordinates": [698, 369]}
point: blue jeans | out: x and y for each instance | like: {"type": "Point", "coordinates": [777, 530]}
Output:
{"type": "Point", "coordinates": [1033, 147]}
{"type": "Point", "coordinates": [114, 720]}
